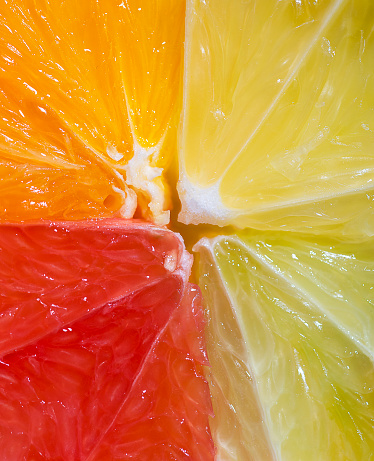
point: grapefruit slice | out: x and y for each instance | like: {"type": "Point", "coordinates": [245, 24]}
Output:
{"type": "Point", "coordinates": [88, 99]}
{"type": "Point", "coordinates": [290, 346]}
{"type": "Point", "coordinates": [98, 309]}
{"type": "Point", "coordinates": [53, 273]}
{"type": "Point", "coordinates": [278, 116]}
{"type": "Point", "coordinates": [165, 414]}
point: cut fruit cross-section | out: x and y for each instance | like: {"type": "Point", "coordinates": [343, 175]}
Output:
{"type": "Point", "coordinates": [170, 400]}
{"type": "Point", "coordinates": [88, 92]}
{"type": "Point", "coordinates": [291, 346]}
{"type": "Point", "coordinates": [90, 312]}
{"type": "Point", "coordinates": [278, 116]}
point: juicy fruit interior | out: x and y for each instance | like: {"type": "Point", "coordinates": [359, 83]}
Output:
{"type": "Point", "coordinates": [276, 134]}
{"type": "Point", "coordinates": [278, 115]}
{"type": "Point", "coordinates": [95, 360]}
{"type": "Point", "coordinates": [296, 316]}
{"type": "Point", "coordinates": [89, 92]}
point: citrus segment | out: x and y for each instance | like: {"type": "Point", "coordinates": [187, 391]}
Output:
{"type": "Point", "coordinates": [170, 400]}
{"type": "Point", "coordinates": [54, 273]}
{"type": "Point", "coordinates": [118, 315]}
{"type": "Point", "coordinates": [300, 312]}
{"type": "Point", "coordinates": [278, 115]}
{"type": "Point", "coordinates": [88, 92]}
{"type": "Point", "coordinates": [237, 427]}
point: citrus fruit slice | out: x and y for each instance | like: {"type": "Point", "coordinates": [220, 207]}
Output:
{"type": "Point", "coordinates": [54, 273]}
{"type": "Point", "coordinates": [117, 314]}
{"type": "Point", "coordinates": [170, 400]}
{"type": "Point", "coordinates": [290, 346]}
{"type": "Point", "coordinates": [88, 92]}
{"type": "Point", "coordinates": [278, 116]}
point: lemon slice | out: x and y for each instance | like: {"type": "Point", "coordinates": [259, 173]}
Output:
{"type": "Point", "coordinates": [278, 116]}
{"type": "Point", "coordinates": [89, 96]}
{"type": "Point", "coordinates": [291, 346]}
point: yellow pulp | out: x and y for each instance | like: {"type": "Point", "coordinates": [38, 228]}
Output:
{"type": "Point", "coordinates": [278, 115]}
{"type": "Point", "coordinates": [291, 346]}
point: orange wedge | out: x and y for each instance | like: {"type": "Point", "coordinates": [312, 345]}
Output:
{"type": "Point", "coordinates": [88, 92]}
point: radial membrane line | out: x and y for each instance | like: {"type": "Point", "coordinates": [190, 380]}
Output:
{"type": "Point", "coordinates": [329, 16]}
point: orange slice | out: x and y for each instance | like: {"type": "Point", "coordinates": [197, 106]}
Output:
{"type": "Point", "coordinates": [88, 92]}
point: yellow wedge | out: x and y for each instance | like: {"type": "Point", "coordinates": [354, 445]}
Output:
{"type": "Point", "coordinates": [291, 346]}
{"type": "Point", "coordinates": [278, 117]}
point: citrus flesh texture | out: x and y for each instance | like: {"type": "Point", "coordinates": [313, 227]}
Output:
{"type": "Point", "coordinates": [104, 355]}
{"type": "Point", "coordinates": [278, 116]}
{"type": "Point", "coordinates": [88, 99]}
{"type": "Point", "coordinates": [291, 347]}
{"type": "Point", "coordinates": [276, 136]}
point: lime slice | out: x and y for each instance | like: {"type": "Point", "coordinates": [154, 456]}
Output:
{"type": "Point", "coordinates": [291, 346]}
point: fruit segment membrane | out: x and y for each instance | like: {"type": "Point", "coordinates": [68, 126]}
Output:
{"type": "Point", "coordinates": [88, 98]}
{"type": "Point", "coordinates": [268, 108]}
{"type": "Point", "coordinates": [290, 328]}
{"type": "Point", "coordinates": [102, 349]}
{"type": "Point", "coordinates": [277, 127]}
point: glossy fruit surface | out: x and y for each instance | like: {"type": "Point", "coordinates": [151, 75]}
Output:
{"type": "Point", "coordinates": [93, 313]}
{"type": "Point", "coordinates": [278, 116]}
{"type": "Point", "coordinates": [290, 328]}
{"type": "Point", "coordinates": [276, 134]}
{"type": "Point", "coordinates": [87, 107]}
